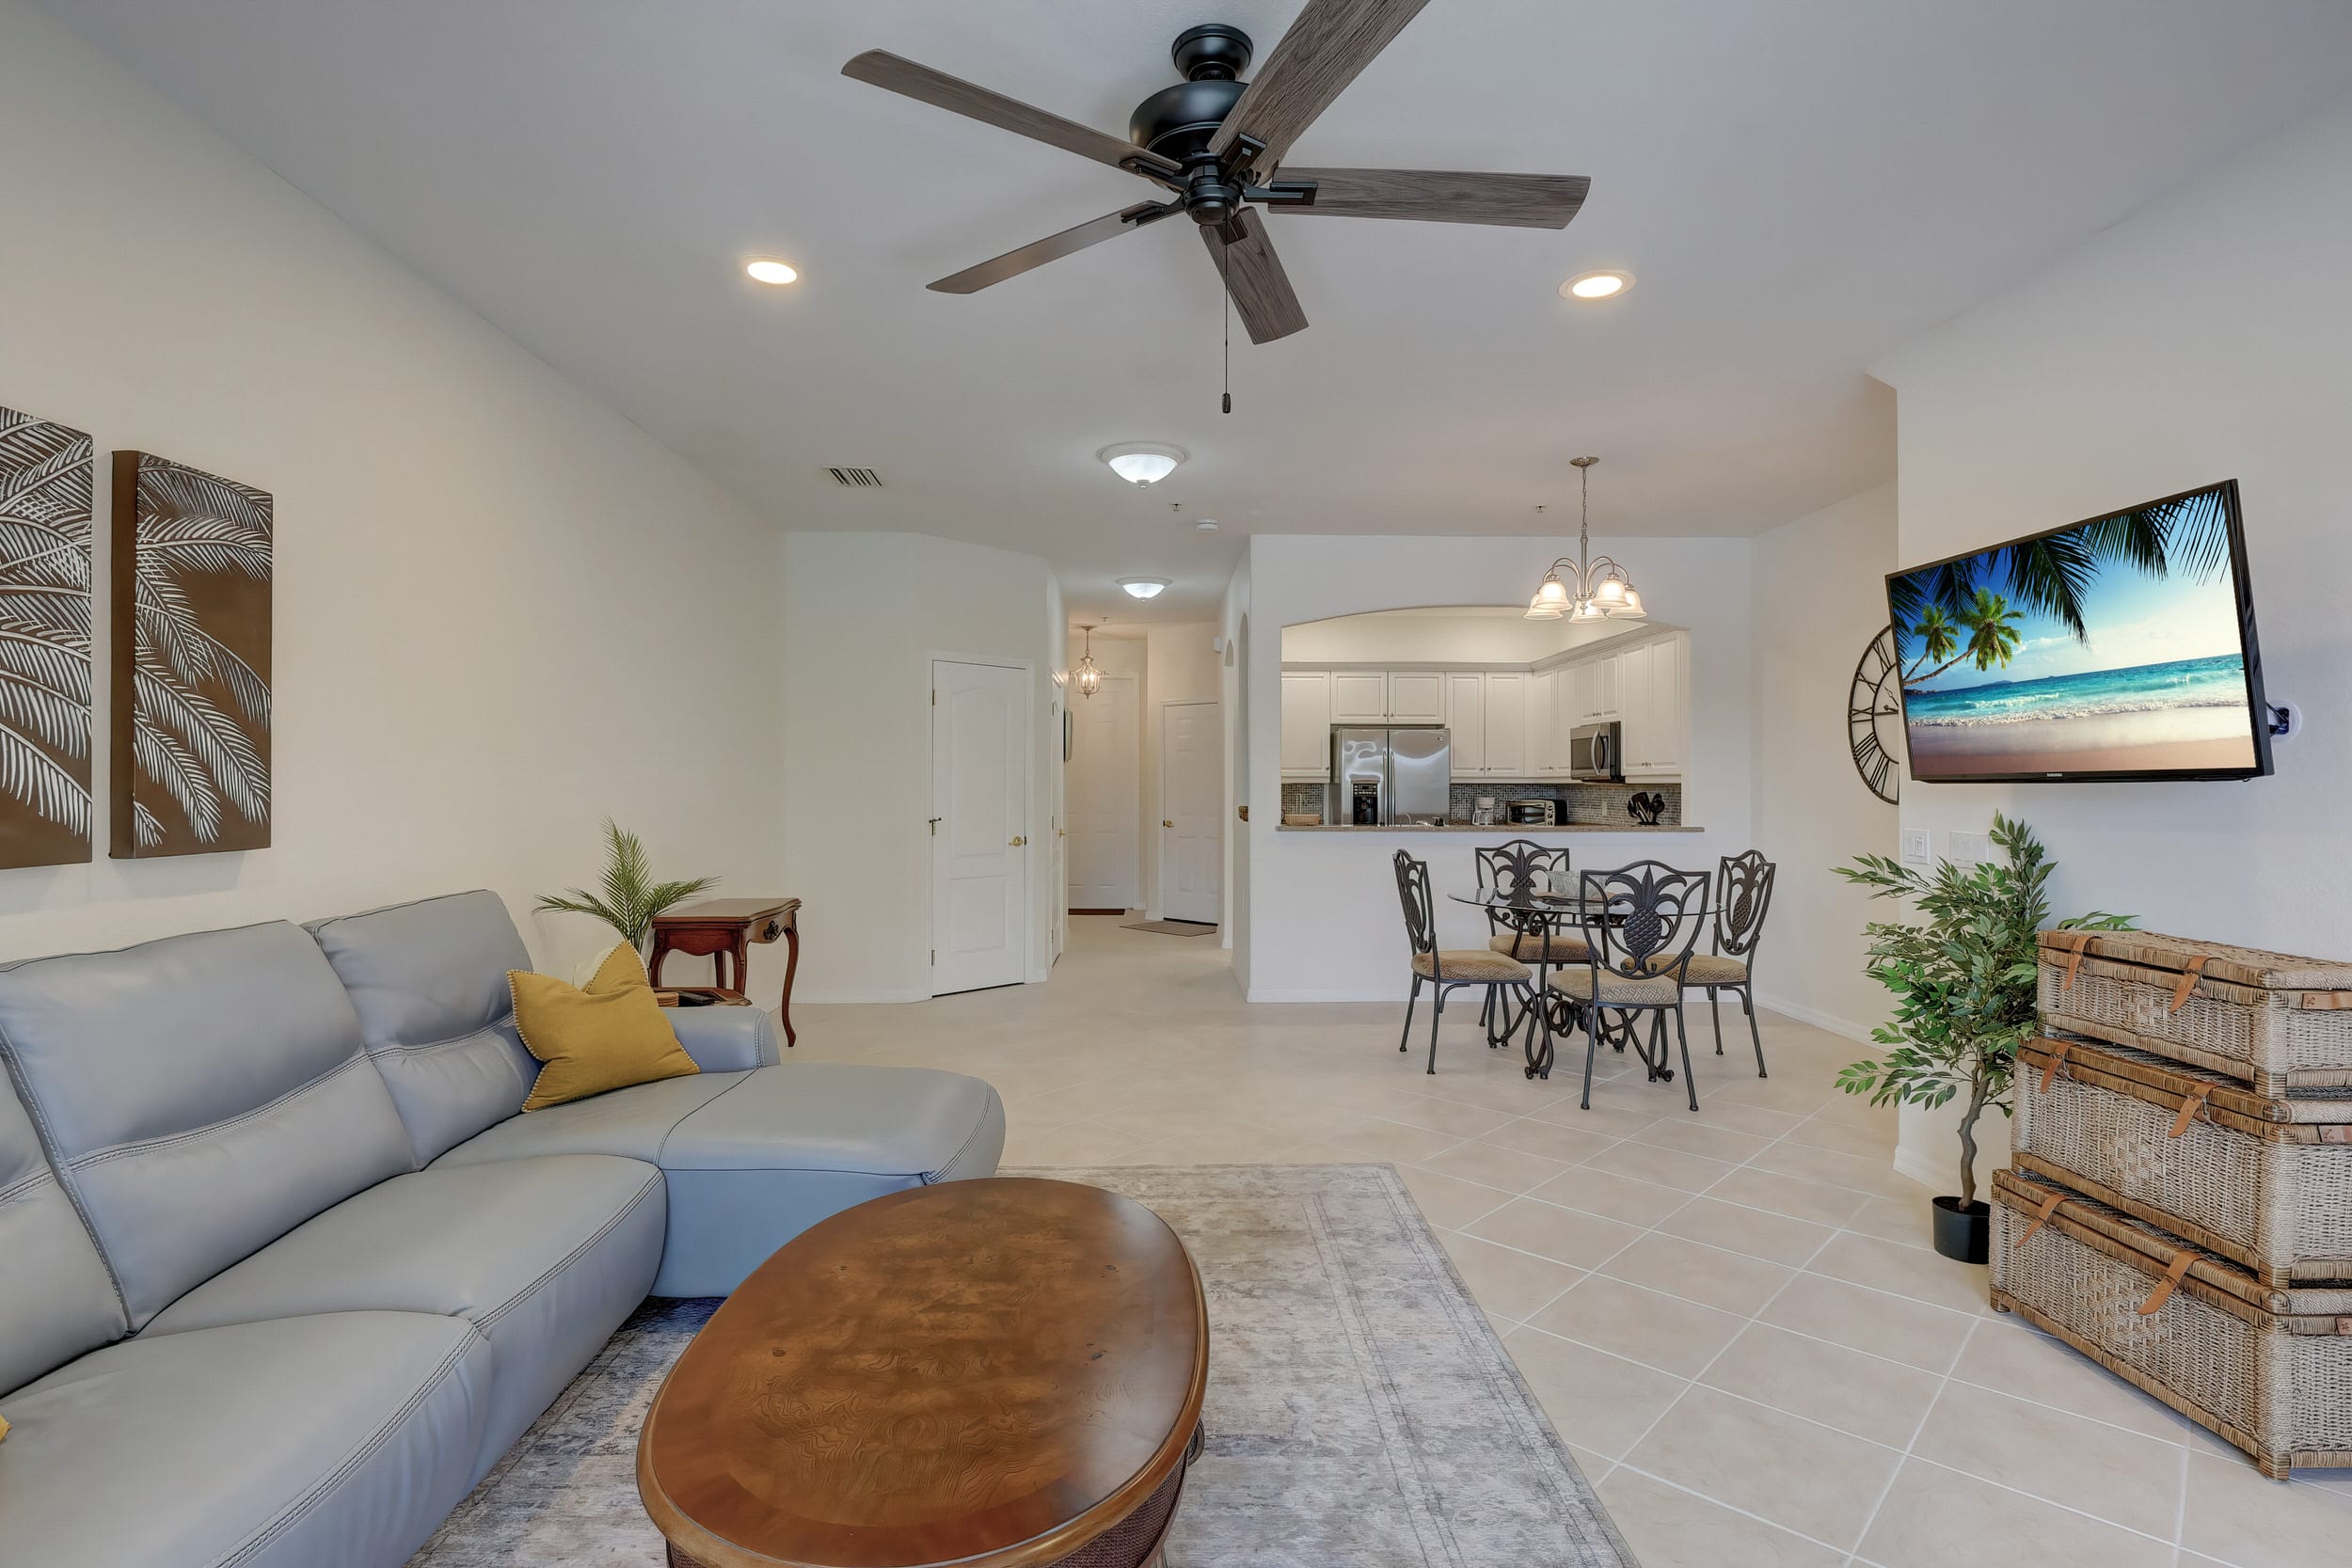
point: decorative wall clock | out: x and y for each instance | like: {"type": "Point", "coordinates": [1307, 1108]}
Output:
{"type": "Point", "coordinates": [1874, 717]}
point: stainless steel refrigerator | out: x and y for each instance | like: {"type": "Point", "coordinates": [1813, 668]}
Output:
{"type": "Point", "coordinates": [1393, 773]}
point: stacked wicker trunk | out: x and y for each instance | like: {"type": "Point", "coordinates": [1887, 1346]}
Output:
{"type": "Point", "coordinates": [2181, 1206]}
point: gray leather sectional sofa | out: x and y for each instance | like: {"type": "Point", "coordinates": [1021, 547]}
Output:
{"type": "Point", "coordinates": [283, 1273]}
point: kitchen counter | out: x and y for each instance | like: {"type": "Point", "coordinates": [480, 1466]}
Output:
{"type": "Point", "coordinates": [1490, 829]}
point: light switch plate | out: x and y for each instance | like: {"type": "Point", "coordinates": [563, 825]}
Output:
{"type": "Point", "coordinates": [1971, 849]}
{"type": "Point", "coordinates": [1918, 846]}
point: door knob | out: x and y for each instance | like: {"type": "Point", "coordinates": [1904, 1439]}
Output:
{"type": "Point", "coordinates": [1167, 822]}
{"type": "Point", "coordinates": [1017, 843]}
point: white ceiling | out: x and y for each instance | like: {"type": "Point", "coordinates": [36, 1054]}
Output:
{"type": "Point", "coordinates": [1800, 187]}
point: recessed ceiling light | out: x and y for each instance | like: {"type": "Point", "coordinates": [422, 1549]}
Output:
{"type": "Point", "coordinates": [771, 272]}
{"type": "Point", "coordinates": [1206, 525]}
{"type": "Point", "coordinates": [1142, 462]}
{"type": "Point", "coordinates": [1596, 285]}
{"type": "Point", "coordinates": [1142, 588]}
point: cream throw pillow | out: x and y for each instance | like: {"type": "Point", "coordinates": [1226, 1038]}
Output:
{"type": "Point", "coordinates": [606, 1035]}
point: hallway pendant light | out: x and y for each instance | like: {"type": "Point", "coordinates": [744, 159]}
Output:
{"type": "Point", "coordinates": [1595, 590]}
{"type": "Point", "coordinates": [1142, 463]}
{"type": "Point", "coordinates": [1085, 674]}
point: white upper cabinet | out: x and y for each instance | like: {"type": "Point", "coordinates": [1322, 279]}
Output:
{"type": "Point", "coordinates": [1360, 697]}
{"type": "Point", "coordinates": [1607, 684]}
{"type": "Point", "coordinates": [1506, 724]}
{"type": "Point", "coordinates": [1416, 697]}
{"type": "Point", "coordinates": [1465, 718]}
{"type": "Point", "coordinates": [1543, 714]}
{"type": "Point", "coordinates": [1306, 723]}
{"type": "Point", "coordinates": [1652, 700]}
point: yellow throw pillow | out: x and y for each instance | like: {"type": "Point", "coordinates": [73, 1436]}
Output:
{"type": "Point", "coordinates": [4, 1427]}
{"type": "Point", "coordinates": [606, 1034]}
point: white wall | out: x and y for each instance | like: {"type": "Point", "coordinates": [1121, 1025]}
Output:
{"type": "Point", "coordinates": [2203, 338]}
{"type": "Point", "coordinates": [863, 615]}
{"type": "Point", "coordinates": [503, 611]}
{"type": "Point", "coordinates": [1240, 634]}
{"type": "Point", "coordinates": [1323, 921]}
{"type": "Point", "coordinates": [1126, 654]}
{"type": "Point", "coordinates": [1820, 596]}
{"type": "Point", "coordinates": [1430, 639]}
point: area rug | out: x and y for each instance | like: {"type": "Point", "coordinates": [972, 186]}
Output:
{"type": "Point", "coordinates": [1173, 927]}
{"type": "Point", "coordinates": [1360, 1413]}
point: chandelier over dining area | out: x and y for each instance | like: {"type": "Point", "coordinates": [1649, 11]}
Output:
{"type": "Point", "coordinates": [1592, 589]}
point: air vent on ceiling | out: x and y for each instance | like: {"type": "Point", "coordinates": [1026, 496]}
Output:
{"type": "Point", "coordinates": [856, 479]}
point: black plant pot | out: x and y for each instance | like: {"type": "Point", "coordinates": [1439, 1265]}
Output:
{"type": "Point", "coordinates": [1964, 1233]}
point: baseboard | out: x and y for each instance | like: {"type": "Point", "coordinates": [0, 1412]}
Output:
{"type": "Point", "coordinates": [1845, 1027]}
{"type": "Point", "coordinates": [1941, 1176]}
{"type": "Point", "coordinates": [1268, 993]}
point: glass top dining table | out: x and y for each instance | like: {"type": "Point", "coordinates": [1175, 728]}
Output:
{"type": "Point", "coordinates": [1535, 913]}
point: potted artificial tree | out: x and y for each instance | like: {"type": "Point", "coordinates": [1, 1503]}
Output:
{"type": "Point", "coordinates": [1964, 982]}
{"type": "Point", "coordinates": [627, 896]}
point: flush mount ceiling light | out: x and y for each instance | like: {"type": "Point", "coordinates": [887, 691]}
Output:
{"type": "Point", "coordinates": [1143, 588]}
{"type": "Point", "coordinates": [1601, 590]}
{"type": "Point", "coordinates": [1206, 525]}
{"type": "Point", "coordinates": [1596, 285]}
{"type": "Point", "coordinates": [770, 272]}
{"type": "Point", "coordinates": [1142, 462]}
{"type": "Point", "coordinates": [1085, 674]}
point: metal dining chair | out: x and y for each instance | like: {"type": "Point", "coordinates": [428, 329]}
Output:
{"type": "Point", "coordinates": [1641, 925]}
{"type": "Point", "coordinates": [1512, 868]}
{"type": "Point", "coordinates": [1743, 892]}
{"type": "Point", "coordinates": [1448, 970]}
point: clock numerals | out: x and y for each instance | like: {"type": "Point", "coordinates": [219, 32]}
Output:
{"type": "Point", "coordinates": [1876, 696]}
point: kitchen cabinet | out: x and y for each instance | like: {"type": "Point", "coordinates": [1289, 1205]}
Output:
{"type": "Point", "coordinates": [1306, 723]}
{"type": "Point", "coordinates": [1651, 698]}
{"type": "Point", "coordinates": [1604, 692]}
{"type": "Point", "coordinates": [1543, 740]}
{"type": "Point", "coordinates": [1506, 724]}
{"type": "Point", "coordinates": [1416, 697]}
{"type": "Point", "coordinates": [1465, 718]}
{"type": "Point", "coordinates": [1360, 697]}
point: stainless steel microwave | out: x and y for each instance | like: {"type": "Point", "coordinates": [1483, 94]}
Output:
{"type": "Point", "coordinates": [1597, 752]}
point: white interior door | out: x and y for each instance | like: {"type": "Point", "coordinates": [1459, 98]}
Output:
{"type": "Point", "coordinates": [1192, 805]}
{"type": "Point", "coordinates": [1105, 798]}
{"type": "Point", "coordinates": [979, 826]}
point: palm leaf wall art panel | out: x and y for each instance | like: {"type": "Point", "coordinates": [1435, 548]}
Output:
{"type": "Point", "coordinates": [191, 697]}
{"type": "Point", "coordinates": [45, 473]}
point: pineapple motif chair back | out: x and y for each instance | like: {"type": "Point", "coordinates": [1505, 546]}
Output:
{"type": "Point", "coordinates": [1645, 919]}
{"type": "Point", "coordinates": [1743, 894]}
{"type": "Point", "coordinates": [1512, 868]}
{"type": "Point", "coordinates": [1412, 890]}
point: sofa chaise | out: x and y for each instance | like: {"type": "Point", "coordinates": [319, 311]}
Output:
{"type": "Point", "coordinates": [283, 1272]}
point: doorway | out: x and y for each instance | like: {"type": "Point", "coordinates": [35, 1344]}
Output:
{"type": "Point", "coordinates": [1105, 781]}
{"type": "Point", "coordinates": [979, 825]}
{"type": "Point", "coordinates": [1192, 803]}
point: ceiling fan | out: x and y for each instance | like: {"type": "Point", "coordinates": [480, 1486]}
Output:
{"type": "Point", "coordinates": [1216, 143]}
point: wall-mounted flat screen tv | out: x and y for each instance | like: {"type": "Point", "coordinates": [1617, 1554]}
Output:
{"type": "Point", "coordinates": [2117, 648]}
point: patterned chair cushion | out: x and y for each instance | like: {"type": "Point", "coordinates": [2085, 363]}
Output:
{"type": "Point", "coordinates": [1471, 965]}
{"type": "Point", "coordinates": [1563, 947]}
{"type": "Point", "coordinates": [1707, 969]}
{"type": "Point", "coordinates": [1616, 991]}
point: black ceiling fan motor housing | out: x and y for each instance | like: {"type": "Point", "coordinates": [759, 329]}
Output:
{"type": "Point", "coordinates": [1176, 123]}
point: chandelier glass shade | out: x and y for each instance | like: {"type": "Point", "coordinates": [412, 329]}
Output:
{"type": "Point", "coordinates": [1591, 590]}
{"type": "Point", "coordinates": [1085, 674]}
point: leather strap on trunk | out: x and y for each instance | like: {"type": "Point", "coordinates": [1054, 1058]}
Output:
{"type": "Point", "coordinates": [2191, 1103]}
{"type": "Point", "coordinates": [2187, 982]}
{"type": "Point", "coordinates": [2041, 1218]}
{"type": "Point", "coordinates": [2165, 1287]}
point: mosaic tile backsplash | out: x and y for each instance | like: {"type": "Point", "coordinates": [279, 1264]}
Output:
{"type": "Point", "coordinates": [1599, 804]}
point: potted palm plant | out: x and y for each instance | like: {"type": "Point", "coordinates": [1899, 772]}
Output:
{"type": "Point", "coordinates": [1962, 978]}
{"type": "Point", "coordinates": [627, 896]}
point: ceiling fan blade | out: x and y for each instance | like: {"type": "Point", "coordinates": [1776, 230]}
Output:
{"type": "Point", "coordinates": [957, 96]}
{"type": "Point", "coordinates": [1329, 43]}
{"type": "Point", "coordinates": [970, 280]}
{"type": "Point", "coordinates": [1254, 277]}
{"type": "Point", "coordinates": [1441, 196]}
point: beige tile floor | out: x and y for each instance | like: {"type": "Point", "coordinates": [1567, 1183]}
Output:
{"type": "Point", "coordinates": [1732, 1317]}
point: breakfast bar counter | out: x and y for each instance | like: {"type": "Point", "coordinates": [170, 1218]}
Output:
{"type": "Point", "coordinates": [1507, 830]}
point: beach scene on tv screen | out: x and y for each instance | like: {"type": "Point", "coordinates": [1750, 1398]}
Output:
{"type": "Point", "coordinates": [2112, 646]}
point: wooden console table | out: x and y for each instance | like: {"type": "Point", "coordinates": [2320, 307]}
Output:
{"type": "Point", "coordinates": [723, 930]}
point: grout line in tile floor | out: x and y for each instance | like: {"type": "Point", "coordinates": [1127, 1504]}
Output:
{"type": "Point", "coordinates": [1913, 1441]}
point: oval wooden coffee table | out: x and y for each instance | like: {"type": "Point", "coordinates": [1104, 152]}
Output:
{"type": "Point", "coordinates": [1003, 1373]}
